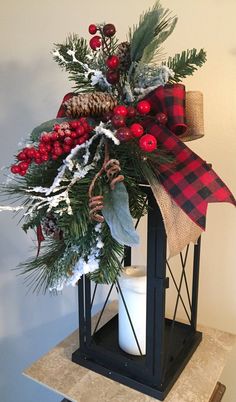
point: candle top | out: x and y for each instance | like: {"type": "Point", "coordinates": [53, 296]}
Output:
{"type": "Point", "coordinates": [134, 278]}
{"type": "Point", "coordinates": [134, 271]}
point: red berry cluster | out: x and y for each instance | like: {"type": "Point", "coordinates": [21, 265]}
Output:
{"type": "Point", "coordinates": [104, 40]}
{"type": "Point", "coordinates": [107, 31]}
{"type": "Point", "coordinates": [121, 113]}
{"type": "Point", "coordinates": [52, 145]}
{"type": "Point", "coordinates": [113, 74]}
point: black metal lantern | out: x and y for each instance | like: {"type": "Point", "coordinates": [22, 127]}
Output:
{"type": "Point", "coordinates": [169, 343]}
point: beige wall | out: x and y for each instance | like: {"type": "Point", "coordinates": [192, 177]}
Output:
{"type": "Point", "coordinates": [32, 86]}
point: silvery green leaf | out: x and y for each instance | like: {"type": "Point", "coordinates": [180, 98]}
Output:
{"type": "Point", "coordinates": [117, 215]}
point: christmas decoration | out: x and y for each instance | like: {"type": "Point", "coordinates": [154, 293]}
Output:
{"type": "Point", "coordinates": [113, 62]}
{"type": "Point", "coordinates": [148, 143]}
{"type": "Point", "coordinates": [136, 129]}
{"type": "Point", "coordinates": [91, 104]}
{"type": "Point", "coordinates": [143, 107]}
{"type": "Point", "coordinates": [79, 174]}
{"type": "Point", "coordinates": [92, 29]}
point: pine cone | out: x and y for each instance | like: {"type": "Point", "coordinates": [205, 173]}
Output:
{"type": "Point", "coordinates": [49, 226]}
{"type": "Point", "coordinates": [89, 104]}
{"type": "Point", "coordinates": [123, 52]}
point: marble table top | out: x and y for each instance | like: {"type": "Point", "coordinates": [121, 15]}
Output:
{"type": "Point", "coordinates": [56, 371]}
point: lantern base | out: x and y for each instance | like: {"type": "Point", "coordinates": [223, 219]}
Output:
{"type": "Point", "coordinates": [119, 369]}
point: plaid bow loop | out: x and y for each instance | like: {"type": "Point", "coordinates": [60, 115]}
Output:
{"type": "Point", "coordinates": [170, 100]}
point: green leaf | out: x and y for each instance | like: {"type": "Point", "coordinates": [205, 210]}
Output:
{"type": "Point", "coordinates": [154, 27]}
{"type": "Point", "coordinates": [117, 215]}
{"type": "Point", "coordinates": [46, 126]}
{"type": "Point", "coordinates": [162, 32]}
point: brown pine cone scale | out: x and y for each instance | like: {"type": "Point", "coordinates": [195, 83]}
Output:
{"type": "Point", "coordinates": [89, 104]}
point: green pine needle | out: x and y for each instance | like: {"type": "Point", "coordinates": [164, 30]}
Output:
{"type": "Point", "coordinates": [41, 272]}
{"type": "Point", "coordinates": [76, 72]}
{"type": "Point", "coordinates": [186, 63]}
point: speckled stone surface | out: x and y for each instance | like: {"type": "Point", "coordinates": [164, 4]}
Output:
{"type": "Point", "coordinates": [196, 383]}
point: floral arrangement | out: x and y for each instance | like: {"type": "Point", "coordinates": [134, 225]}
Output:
{"type": "Point", "coordinates": [78, 176]}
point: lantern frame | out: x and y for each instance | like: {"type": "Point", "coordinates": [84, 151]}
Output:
{"type": "Point", "coordinates": [169, 343]}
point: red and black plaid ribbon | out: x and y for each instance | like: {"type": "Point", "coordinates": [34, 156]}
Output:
{"type": "Point", "coordinates": [190, 181]}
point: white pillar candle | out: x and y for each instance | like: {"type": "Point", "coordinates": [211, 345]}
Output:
{"type": "Point", "coordinates": [133, 283]}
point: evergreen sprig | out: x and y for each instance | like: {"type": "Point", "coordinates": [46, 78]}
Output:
{"type": "Point", "coordinates": [155, 25]}
{"type": "Point", "coordinates": [66, 62]}
{"type": "Point", "coordinates": [41, 272]}
{"type": "Point", "coordinates": [110, 260]}
{"type": "Point", "coordinates": [186, 63]}
{"type": "Point", "coordinates": [73, 42]}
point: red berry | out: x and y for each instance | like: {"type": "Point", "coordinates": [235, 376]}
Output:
{"type": "Point", "coordinates": [124, 134]}
{"type": "Point", "coordinates": [54, 157]}
{"type": "Point", "coordinates": [54, 136]}
{"type": "Point", "coordinates": [68, 141]}
{"type": "Point", "coordinates": [48, 147]}
{"type": "Point", "coordinates": [143, 107]}
{"type": "Point", "coordinates": [45, 137]}
{"type": "Point", "coordinates": [45, 157]}
{"type": "Point", "coordinates": [15, 169]}
{"type": "Point", "coordinates": [73, 135]}
{"type": "Point", "coordinates": [82, 139]}
{"type": "Point", "coordinates": [22, 156]}
{"type": "Point", "coordinates": [30, 152]}
{"type": "Point", "coordinates": [56, 127]}
{"type": "Point", "coordinates": [58, 151]}
{"type": "Point", "coordinates": [161, 118]}
{"type": "Point", "coordinates": [67, 132]}
{"type": "Point", "coordinates": [131, 111]}
{"type": "Point", "coordinates": [23, 165]}
{"type": "Point", "coordinates": [120, 110]}
{"type": "Point", "coordinates": [112, 76]}
{"type": "Point", "coordinates": [37, 155]}
{"type": "Point", "coordinates": [80, 131]}
{"type": "Point", "coordinates": [85, 124]}
{"type": "Point", "coordinates": [61, 133]}
{"type": "Point", "coordinates": [136, 129]}
{"type": "Point", "coordinates": [95, 42]}
{"type": "Point", "coordinates": [66, 148]}
{"type": "Point", "coordinates": [74, 124]}
{"type": "Point", "coordinates": [23, 172]}
{"type": "Point", "coordinates": [113, 62]}
{"type": "Point", "coordinates": [148, 143]}
{"type": "Point", "coordinates": [109, 30]}
{"type": "Point", "coordinates": [56, 144]}
{"type": "Point", "coordinates": [65, 125]}
{"type": "Point", "coordinates": [42, 149]}
{"type": "Point", "coordinates": [92, 29]}
{"type": "Point", "coordinates": [38, 161]}
{"type": "Point", "coordinates": [118, 121]}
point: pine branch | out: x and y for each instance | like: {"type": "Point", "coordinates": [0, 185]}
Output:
{"type": "Point", "coordinates": [66, 61]}
{"type": "Point", "coordinates": [185, 63]}
{"type": "Point", "coordinates": [110, 262]}
{"type": "Point", "coordinates": [41, 272]}
{"type": "Point", "coordinates": [154, 27]}
{"type": "Point", "coordinates": [73, 42]}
